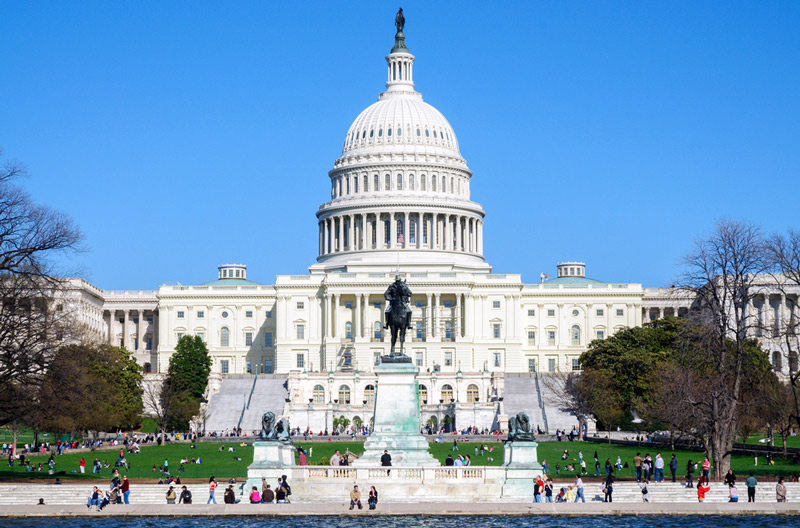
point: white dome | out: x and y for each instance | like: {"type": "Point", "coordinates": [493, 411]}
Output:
{"type": "Point", "coordinates": [399, 120]}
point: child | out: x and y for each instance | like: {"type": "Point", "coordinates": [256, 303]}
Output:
{"type": "Point", "coordinates": [702, 489]}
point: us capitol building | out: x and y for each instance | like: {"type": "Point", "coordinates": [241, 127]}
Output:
{"type": "Point", "coordinates": [400, 204]}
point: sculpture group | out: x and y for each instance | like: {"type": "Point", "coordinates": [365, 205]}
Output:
{"type": "Point", "coordinates": [275, 432]}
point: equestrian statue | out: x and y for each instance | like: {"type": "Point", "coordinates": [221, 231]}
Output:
{"type": "Point", "coordinates": [398, 318]}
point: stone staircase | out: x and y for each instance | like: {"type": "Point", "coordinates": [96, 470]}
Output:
{"type": "Point", "coordinates": [624, 492]}
{"type": "Point", "coordinates": [269, 394]}
{"type": "Point", "coordinates": [557, 417]}
{"type": "Point", "coordinates": [225, 407]}
{"type": "Point", "coordinates": [519, 395]}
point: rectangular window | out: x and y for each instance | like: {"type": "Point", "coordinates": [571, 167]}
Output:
{"type": "Point", "coordinates": [269, 314]}
{"type": "Point", "coordinates": [180, 336]}
{"type": "Point", "coordinates": [248, 314]}
{"type": "Point", "coordinates": [301, 360]}
{"type": "Point", "coordinates": [600, 312]}
{"type": "Point", "coordinates": [495, 304]}
{"type": "Point", "coordinates": [620, 312]}
{"type": "Point", "coordinates": [551, 337]}
{"type": "Point", "coordinates": [497, 359]}
{"type": "Point", "coordinates": [419, 359]}
{"type": "Point", "coordinates": [551, 365]}
{"type": "Point", "coordinates": [248, 339]}
{"type": "Point", "coordinates": [531, 337]}
{"type": "Point", "coordinates": [377, 305]}
{"type": "Point", "coordinates": [268, 366]}
{"type": "Point", "coordinates": [531, 365]}
{"type": "Point", "coordinates": [551, 313]}
{"type": "Point", "coordinates": [136, 343]}
{"type": "Point", "coordinates": [575, 364]}
{"type": "Point", "coordinates": [301, 331]}
{"type": "Point", "coordinates": [496, 330]}
{"type": "Point", "coordinates": [201, 335]}
{"type": "Point", "coordinates": [249, 367]}
{"type": "Point", "coordinates": [348, 305]}
{"type": "Point", "coordinates": [224, 366]}
{"type": "Point", "coordinates": [388, 185]}
{"type": "Point", "coordinates": [268, 339]}
{"type": "Point", "coordinates": [601, 334]}
{"type": "Point", "coordinates": [531, 313]}
{"type": "Point", "coordinates": [149, 343]}
{"type": "Point", "coordinates": [201, 314]}
{"type": "Point", "coordinates": [300, 305]}
{"type": "Point", "coordinates": [448, 359]}
{"type": "Point", "coordinates": [180, 314]}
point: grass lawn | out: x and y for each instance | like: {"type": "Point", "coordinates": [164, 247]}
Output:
{"type": "Point", "coordinates": [791, 441]}
{"type": "Point", "coordinates": [222, 465]}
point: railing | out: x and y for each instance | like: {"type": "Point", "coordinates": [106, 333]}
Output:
{"type": "Point", "coordinates": [541, 401]}
{"type": "Point", "coordinates": [424, 474]}
{"type": "Point", "coordinates": [241, 416]}
{"type": "Point", "coordinates": [252, 390]}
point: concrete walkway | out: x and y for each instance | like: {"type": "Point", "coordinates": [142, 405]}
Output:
{"type": "Point", "coordinates": [394, 509]}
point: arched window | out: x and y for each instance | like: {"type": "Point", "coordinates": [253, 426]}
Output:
{"type": "Point", "coordinates": [444, 185]}
{"type": "Point", "coordinates": [387, 231]}
{"type": "Point", "coordinates": [348, 330]}
{"type": "Point", "coordinates": [399, 131]}
{"type": "Point", "coordinates": [452, 190]}
{"type": "Point", "coordinates": [380, 132]}
{"type": "Point", "coordinates": [400, 231]}
{"type": "Point", "coordinates": [366, 183]}
{"type": "Point", "coordinates": [224, 337]}
{"type": "Point", "coordinates": [777, 361]}
{"type": "Point", "coordinates": [447, 393]}
{"type": "Point", "coordinates": [411, 181]}
{"type": "Point", "coordinates": [448, 330]}
{"type": "Point", "coordinates": [422, 183]}
{"type": "Point", "coordinates": [423, 394]}
{"type": "Point", "coordinates": [347, 186]}
{"type": "Point", "coordinates": [376, 184]}
{"type": "Point", "coordinates": [433, 183]}
{"type": "Point", "coordinates": [575, 335]}
{"type": "Point", "coordinates": [417, 132]}
{"type": "Point", "coordinates": [377, 330]}
{"type": "Point", "coordinates": [399, 182]}
{"type": "Point", "coordinates": [364, 134]}
{"type": "Point", "coordinates": [371, 132]}
{"type": "Point", "coordinates": [344, 394]}
{"type": "Point", "coordinates": [412, 231]}
{"type": "Point", "coordinates": [388, 179]}
{"type": "Point", "coordinates": [355, 184]}
{"type": "Point", "coordinates": [388, 131]}
{"type": "Point", "coordinates": [319, 394]}
{"type": "Point", "coordinates": [427, 133]}
{"type": "Point", "coordinates": [434, 134]}
{"type": "Point", "coordinates": [472, 394]}
{"type": "Point", "coordinates": [369, 395]}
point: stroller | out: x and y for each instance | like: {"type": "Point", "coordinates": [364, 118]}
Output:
{"type": "Point", "coordinates": [561, 495]}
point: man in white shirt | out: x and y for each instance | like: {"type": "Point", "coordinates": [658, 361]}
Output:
{"type": "Point", "coordinates": [579, 489]}
{"type": "Point", "coordinates": [659, 465]}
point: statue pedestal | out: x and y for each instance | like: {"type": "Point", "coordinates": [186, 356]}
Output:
{"type": "Point", "coordinates": [521, 463]}
{"type": "Point", "coordinates": [270, 461]}
{"type": "Point", "coordinates": [396, 427]}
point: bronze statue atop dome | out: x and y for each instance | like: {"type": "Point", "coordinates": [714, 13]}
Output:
{"type": "Point", "coordinates": [400, 21]}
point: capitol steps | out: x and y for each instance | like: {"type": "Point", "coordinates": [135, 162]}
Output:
{"type": "Point", "coordinates": [269, 394]}
{"type": "Point", "coordinates": [519, 395]}
{"type": "Point", "coordinates": [226, 406]}
{"type": "Point", "coordinates": [551, 385]}
{"type": "Point", "coordinates": [336, 490]}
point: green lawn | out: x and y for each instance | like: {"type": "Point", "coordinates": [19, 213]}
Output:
{"type": "Point", "coordinates": [222, 465]}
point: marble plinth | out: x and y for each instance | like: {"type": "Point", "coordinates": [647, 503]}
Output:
{"type": "Point", "coordinates": [521, 463]}
{"type": "Point", "coordinates": [396, 426]}
{"type": "Point", "coordinates": [271, 460]}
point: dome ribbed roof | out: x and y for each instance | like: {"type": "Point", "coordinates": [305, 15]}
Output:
{"type": "Point", "coordinates": [397, 121]}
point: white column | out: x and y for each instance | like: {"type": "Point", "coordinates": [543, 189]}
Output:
{"type": "Point", "coordinates": [111, 336]}
{"type": "Point", "coordinates": [357, 318]}
{"type": "Point", "coordinates": [142, 325]}
{"type": "Point", "coordinates": [335, 315]}
{"type": "Point", "coordinates": [459, 237]}
{"type": "Point", "coordinates": [363, 231]}
{"type": "Point", "coordinates": [459, 320]}
{"type": "Point", "coordinates": [126, 336]}
{"type": "Point", "coordinates": [392, 231]}
{"type": "Point", "coordinates": [429, 317]}
{"type": "Point", "coordinates": [480, 236]}
{"type": "Point", "coordinates": [328, 319]}
{"type": "Point", "coordinates": [469, 315]}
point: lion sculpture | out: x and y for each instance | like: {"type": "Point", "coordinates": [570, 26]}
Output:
{"type": "Point", "coordinates": [273, 431]}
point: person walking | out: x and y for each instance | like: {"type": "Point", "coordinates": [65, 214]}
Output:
{"type": "Point", "coordinates": [171, 495]}
{"type": "Point", "coordinates": [645, 487]}
{"type": "Point", "coordinates": [673, 466]}
{"type": "Point", "coordinates": [579, 488]}
{"type": "Point", "coordinates": [125, 488]}
{"type": "Point", "coordinates": [689, 473]}
{"type": "Point", "coordinates": [780, 491]}
{"type": "Point", "coordinates": [751, 484]}
{"type": "Point", "coordinates": [186, 496]}
{"type": "Point", "coordinates": [355, 498]}
{"type": "Point", "coordinates": [372, 499]}
{"type": "Point", "coordinates": [609, 488]}
{"type": "Point", "coordinates": [82, 466]}
{"type": "Point", "coordinates": [212, 487]}
{"type": "Point", "coordinates": [637, 466]}
{"type": "Point", "coordinates": [537, 489]}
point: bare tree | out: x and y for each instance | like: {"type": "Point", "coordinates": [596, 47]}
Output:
{"type": "Point", "coordinates": [566, 391]}
{"type": "Point", "coordinates": [165, 403]}
{"type": "Point", "coordinates": [672, 388]}
{"type": "Point", "coordinates": [721, 274]}
{"type": "Point", "coordinates": [34, 318]}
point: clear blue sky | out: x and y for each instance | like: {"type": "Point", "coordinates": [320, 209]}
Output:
{"type": "Point", "coordinates": [181, 135]}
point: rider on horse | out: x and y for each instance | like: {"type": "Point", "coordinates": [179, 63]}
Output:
{"type": "Point", "coordinates": [400, 290]}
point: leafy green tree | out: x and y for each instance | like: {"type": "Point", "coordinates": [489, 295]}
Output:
{"type": "Point", "coordinates": [187, 379]}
